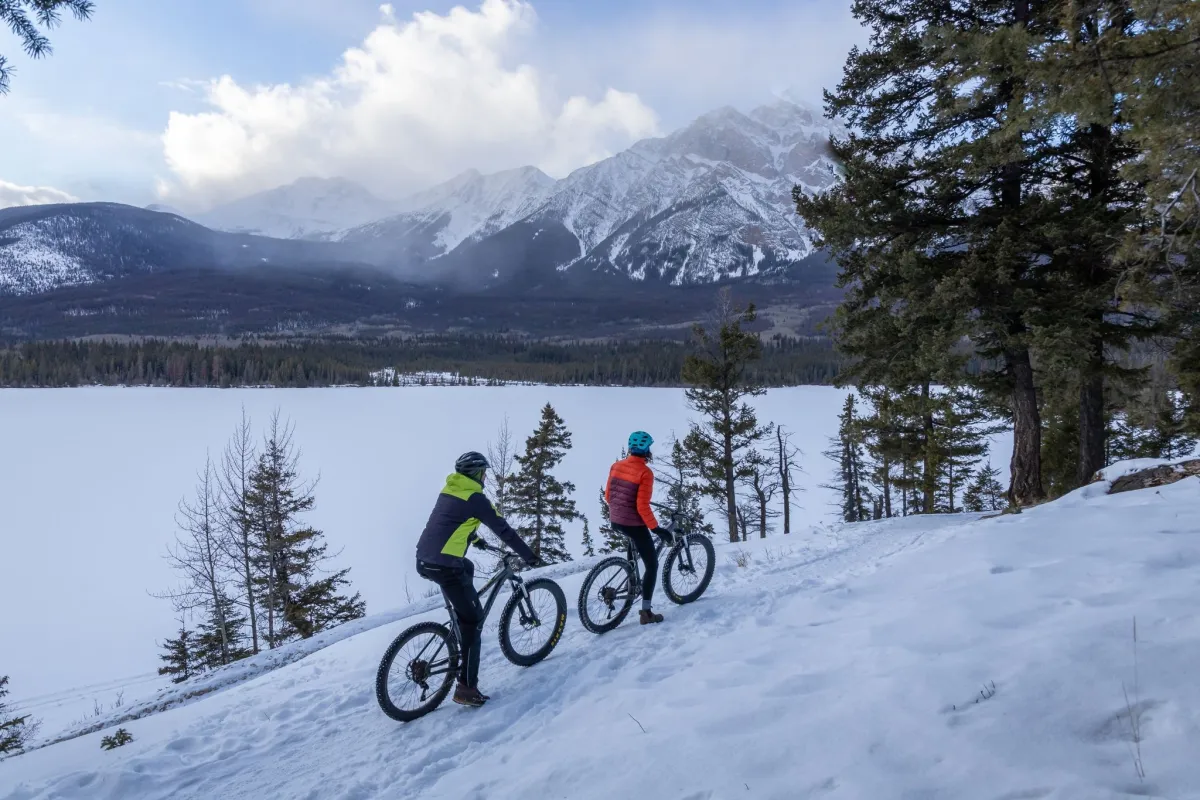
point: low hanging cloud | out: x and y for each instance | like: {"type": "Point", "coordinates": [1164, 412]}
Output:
{"type": "Point", "coordinates": [12, 194]}
{"type": "Point", "coordinates": [417, 102]}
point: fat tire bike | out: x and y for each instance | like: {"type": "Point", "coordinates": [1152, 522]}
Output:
{"type": "Point", "coordinates": [610, 588]}
{"type": "Point", "coordinates": [421, 665]}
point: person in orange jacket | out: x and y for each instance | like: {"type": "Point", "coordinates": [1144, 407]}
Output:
{"type": "Point", "coordinates": [630, 487]}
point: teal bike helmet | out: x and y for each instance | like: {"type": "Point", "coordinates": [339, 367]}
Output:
{"type": "Point", "coordinates": [639, 443]}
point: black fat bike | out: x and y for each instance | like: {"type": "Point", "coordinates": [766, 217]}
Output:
{"type": "Point", "coordinates": [609, 590]}
{"type": "Point", "coordinates": [420, 667]}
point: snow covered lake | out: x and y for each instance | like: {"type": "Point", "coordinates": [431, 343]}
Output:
{"type": "Point", "coordinates": [90, 479]}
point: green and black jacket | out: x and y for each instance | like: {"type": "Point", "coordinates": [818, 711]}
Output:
{"type": "Point", "coordinates": [460, 509]}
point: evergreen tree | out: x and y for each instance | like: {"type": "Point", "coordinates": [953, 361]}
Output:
{"type": "Point", "coordinates": [538, 498]}
{"type": "Point", "coordinates": [221, 636]}
{"type": "Point", "coordinates": [610, 540]}
{"type": "Point", "coordinates": [985, 492]}
{"type": "Point", "coordinates": [846, 451]}
{"type": "Point", "coordinates": [26, 18]}
{"type": "Point", "coordinates": [15, 731]}
{"type": "Point", "coordinates": [960, 441]}
{"type": "Point", "coordinates": [936, 224]}
{"type": "Point", "coordinates": [589, 548]}
{"type": "Point", "coordinates": [288, 555]}
{"type": "Point", "coordinates": [684, 492]}
{"type": "Point", "coordinates": [719, 389]}
{"type": "Point", "coordinates": [179, 656]}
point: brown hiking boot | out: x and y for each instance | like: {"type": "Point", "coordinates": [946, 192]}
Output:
{"type": "Point", "coordinates": [647, 616]}
{"type": "Point", "coordinates": [466, 696]}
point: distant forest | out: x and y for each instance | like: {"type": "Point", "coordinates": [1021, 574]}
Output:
{"type": "Point", "coordinates": [786, 361]}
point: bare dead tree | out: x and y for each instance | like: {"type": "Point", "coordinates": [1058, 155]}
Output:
{"type": "Point", "coordinates": [237, 521]}
{"type": "Point", "coordinates": [501, 453]}
{"type": "Point", "coordinates": [198, 556]}
{"type": "Point", "coordinates": [785, 460]}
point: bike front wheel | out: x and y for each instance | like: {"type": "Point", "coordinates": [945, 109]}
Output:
{"type": "Point", "coordinates": [417, 671]}
{"type": "Point", "coordinates": [607, 595]}
{"type": "Point", "coordinates": [688, 568]}
{"type": "Point", "coordinates": [532, 622]}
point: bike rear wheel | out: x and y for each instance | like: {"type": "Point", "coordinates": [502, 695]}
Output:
{"type": "Point", "coordinates": [688, 568]}
{"type": "Point", "coordinates": [607, 594]}
{"type": "Point", "coordinates": [417, 671]}
{"type": "Point", "coordinates": [530, 629]}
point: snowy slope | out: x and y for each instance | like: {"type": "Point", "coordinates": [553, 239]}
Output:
{"type": "Point", "coordinates": [925, 657]}
{"type": "Point", "coordinates": [307, 208]}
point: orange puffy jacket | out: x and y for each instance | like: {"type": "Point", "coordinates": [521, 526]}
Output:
{"type": "Point", "coordinates": [630, 487]}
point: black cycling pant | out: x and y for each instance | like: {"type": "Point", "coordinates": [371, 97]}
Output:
{"type": "Point", "coordinates": [456, 585]}
{"type": "Point", "coordinates": [644, 542]}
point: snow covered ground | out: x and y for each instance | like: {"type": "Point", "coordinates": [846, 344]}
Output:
{"type": "Point", "coordinates": [941, 657]}
{"type": "Point", "coordinates": [90, 479]}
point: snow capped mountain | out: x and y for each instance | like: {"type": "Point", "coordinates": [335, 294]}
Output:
{"type": "Point", "coordinates": [470, 205]}
{"type": "Point", "coordinates": [709, 202]}
{"type": "Point", "coordinates": [307, 208]}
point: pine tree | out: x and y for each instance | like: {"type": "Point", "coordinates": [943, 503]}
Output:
{"type": "Point", "coordinates": [221, 636]}
{"type": "Point", "coordinates": [15, 731]}
{"type": "Point", "coordinates": [961, 431]}
{"type": "Point", "coordinates": [179, 656]}
{"type": "Point", "coordinates": [610, 540]}
{"type": "Point", "coordinates": [846, 450]}
{"type": "Point", "coordinates": [719, 389]}
{"type": "Point", "coordinates": [15, 15]}
{"type": "Point", "coordinates": [589, 548]}
{"type": "Point", "coordinates": [985, 492]}
{"type": "Point", "coordinates": [288, 555]}
{"type": "Point", "coordinates": [933, 226]}
{"type": "Point", "coordinates": [538, 498]}
{"type": "Point", "coordinates": [681, 476]}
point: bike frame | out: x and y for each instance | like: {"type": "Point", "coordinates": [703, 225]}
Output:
{"type": "Point", "coordinates": [492, 586]}
{"type": "Point", "coordinates": [634, 587]}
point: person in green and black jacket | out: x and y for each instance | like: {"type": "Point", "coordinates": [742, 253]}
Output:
{"type": "Point", "coordinates": [442, 558]}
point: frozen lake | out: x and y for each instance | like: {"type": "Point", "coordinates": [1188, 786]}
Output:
{"type": "Point", "coordinates": [90, 480]}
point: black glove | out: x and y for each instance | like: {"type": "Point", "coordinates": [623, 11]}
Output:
{"type": "Point", "coordinates": [481, 544]}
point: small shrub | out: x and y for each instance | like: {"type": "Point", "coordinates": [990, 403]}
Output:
{"type": "Point", "coordinates": [741, 558]}
{"type": "Point", "coordinates": [119, 739]}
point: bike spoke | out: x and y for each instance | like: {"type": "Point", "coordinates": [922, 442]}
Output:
{"type": "Point", "coordinates": [536, 617]}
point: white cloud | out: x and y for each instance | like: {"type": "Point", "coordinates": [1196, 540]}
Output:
{"type": "Point", "coordinates": [418, 101]}
{"type": "Point", "coordinates": [13, 195]}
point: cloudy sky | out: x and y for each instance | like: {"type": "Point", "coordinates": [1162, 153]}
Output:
{"type": "Point", "coordinates": [197, 102]}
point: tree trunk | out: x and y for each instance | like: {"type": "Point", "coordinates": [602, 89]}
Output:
{"type": "Point", "coordinates": [1025, 469]}
{"type": "Point", "coordinates": [785, 477]}
{"type": "Point", "coordinates": [929, 475]}
{"type": "Point", "coordinates": [1092, 430]}
{"type": "Point", "coordinates": [730, 482]}
{"type": "Point", "coordinates": [887, 487]}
